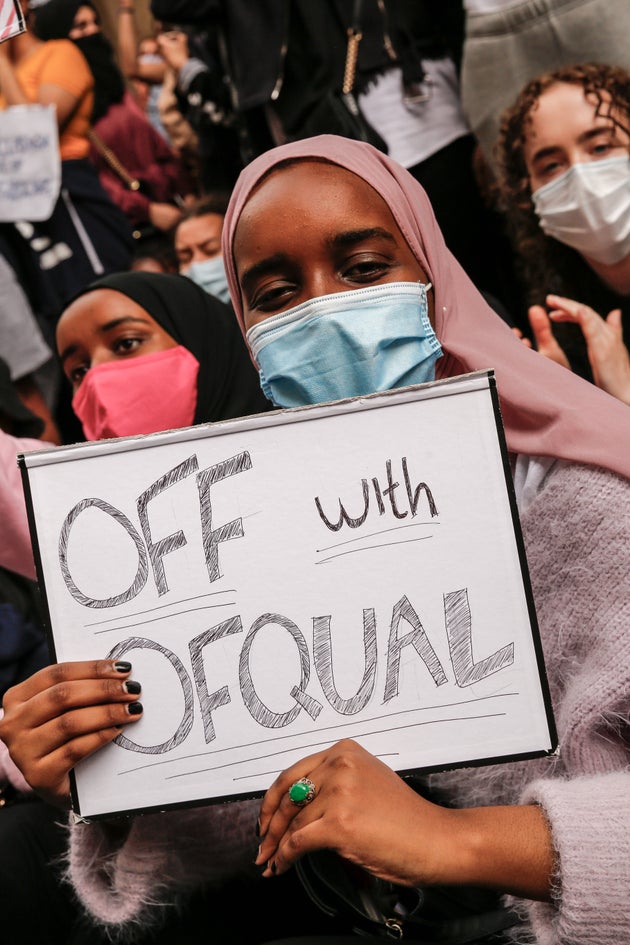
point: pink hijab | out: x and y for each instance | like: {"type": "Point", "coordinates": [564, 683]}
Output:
{"type": "Point", "coordinates": [547, 411]}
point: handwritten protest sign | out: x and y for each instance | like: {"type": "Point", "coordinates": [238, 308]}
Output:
{"type": "Point", "coordinates": [279, 583]}
{"type": "Point", "coordinates": [11, 19]}
{"type": "Point", "coordinates": [30, 169]}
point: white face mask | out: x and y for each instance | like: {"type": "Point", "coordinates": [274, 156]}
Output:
{"type": "Point", "coordinates": [588, 208]}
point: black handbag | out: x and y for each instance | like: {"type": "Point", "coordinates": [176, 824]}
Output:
{"type": "Point", "coordinates": [431, 916]}
{"type": "Point", "coordinates": [338, 112]}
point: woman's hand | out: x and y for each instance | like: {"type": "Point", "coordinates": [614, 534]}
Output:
{"type": "Point", "coordinates": [63, 714]}
{"type": "Point", "coordinates": [363, 811]}
{"type": "Point", "coordinates": [173, 46]}
{"type": "Point", "coordinates": [607, 353]}
{"type": "Point", "coordinates": [368, 815]}
{"type": "Point", "coordinates": [544, 338]}
{"type": "Point", "coordinates": [164, 216]}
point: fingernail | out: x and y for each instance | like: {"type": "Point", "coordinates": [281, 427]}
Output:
{"type": "Point", "coordinates": [122, 666]}
{"type": "Point", "coordinates": [132, 687]}
{"type": "Point", "coordinates": [134, 708]}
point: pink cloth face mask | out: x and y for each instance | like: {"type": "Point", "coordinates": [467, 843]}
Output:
{"type": "Point", "coordinates": [147, 394]}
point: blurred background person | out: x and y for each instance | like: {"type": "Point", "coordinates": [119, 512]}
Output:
{"type": "Point", "coordinates": [564, 152]}
{"type": "Point", "coordinates": [197, 244]}
{"type": "Point", "coordinates": [509, 42]}
{"type": "Point", "coordinates": [87, 235]}
{"type": "Point", "coordinates": [140, 172]}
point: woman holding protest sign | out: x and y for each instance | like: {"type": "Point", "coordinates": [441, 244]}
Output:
{"type": "Point", "coordinates": [123, 343]}
{"type": "Point", "coordinates": [349, 225]}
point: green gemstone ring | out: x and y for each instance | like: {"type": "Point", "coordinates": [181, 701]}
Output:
{"type": "Point", "coordinates": [302, 792]}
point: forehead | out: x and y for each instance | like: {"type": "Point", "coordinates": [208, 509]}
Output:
{"type": "Point", "coordinates": [91, 311]}
{"type": "Point", "coordinates": [310, 200]}
{"type": "Point", "coordinates": [85, 13]}
{"type": "Point", "coordinates": [207, 226]}
{"type": "Point", "coordinates": [563, 110]}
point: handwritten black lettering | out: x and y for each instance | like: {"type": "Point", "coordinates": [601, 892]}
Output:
{"type": "Point", "coordinates": [416, 638]}
{"type": "Point", "coordinates": [343, 515]}
{"type": "Point", "coordinates": [413, 497]}
{"type": "Point", "coordinates": [256, 708]}
{"type": "Point", "coordinates": [158, 550]}
{"type": "Point", "coordinates": [208, 702]}
{"type": "Point", "coordinates": [322, 657]}
{"type": "Point", "coordinates": [234, 529]}
{"type": "Point", "coordinates": [143, 567]}
{"type": "Point", "coordinates": [459, 633]}
{"type": "Point", "coordinates": [184, 727]}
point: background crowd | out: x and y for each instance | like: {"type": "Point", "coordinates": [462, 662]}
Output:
{"type": "Point", "coordinates": [514, 117]}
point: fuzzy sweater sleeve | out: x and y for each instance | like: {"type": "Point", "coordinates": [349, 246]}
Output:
{"type": "Point", "coordinates": [130, 877]}
{"type": "Point", "coordinates": [579, 552]}
{"type": "Point", "coordinates": [590, 820]}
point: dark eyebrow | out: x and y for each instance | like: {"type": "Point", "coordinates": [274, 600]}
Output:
{"type": "Point", "coordinates": [71, 349]}
{"type": "Point", "coordinates": [545, 152]}
{"type": "Point", "coordinates": [594, 132]}
{"type": "Point", "coordinates": [262, 267]}
{"type": "Point", "coordinates": [351, 237]}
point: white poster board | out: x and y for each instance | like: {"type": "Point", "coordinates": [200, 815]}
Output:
{"type": "Point", "coordinates": [30, 167]}
{"type": "Point", "coordinates": [288, 580]}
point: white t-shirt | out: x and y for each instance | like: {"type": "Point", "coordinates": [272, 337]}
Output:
{"type": "Point", "coordinates": [416, 130]}
{"type": "Point", "coordinates": [489, 6]}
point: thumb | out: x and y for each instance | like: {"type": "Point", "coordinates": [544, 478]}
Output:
{"type": "Point", "coordinates": [541, 326]}
{"type": "Point", "coordinates": [613, 320]}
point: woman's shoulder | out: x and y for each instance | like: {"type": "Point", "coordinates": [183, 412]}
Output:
{"type": "Point", "coordinates": [581, 483]}
{"type": "Point", "coordinates": [67, 54]}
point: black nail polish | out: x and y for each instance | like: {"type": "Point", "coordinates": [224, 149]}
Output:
{"type": "Point", "coordinates": [132, 687]}
{"type": "Point", "coordinates": [134, 708]}
{"type": "Point", "coordinates": [122, 666]}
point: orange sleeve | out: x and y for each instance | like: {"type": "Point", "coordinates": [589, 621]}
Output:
{"type": "Point", "coordinates": [67, 68]}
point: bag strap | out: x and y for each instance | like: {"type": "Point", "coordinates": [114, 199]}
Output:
{"type": "Point", "coordinates": [354, 38]}
{"type": "Point", "coordinates": [131, 182]}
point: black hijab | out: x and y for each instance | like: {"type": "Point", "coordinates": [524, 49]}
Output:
{"type": "Point", "coordinates": [54, 20]}
{"type": "Point", "coordinates": [227, 384]}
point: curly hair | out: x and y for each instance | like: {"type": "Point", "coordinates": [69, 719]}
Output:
{"type": "Point", "coordinates": [547, 263]}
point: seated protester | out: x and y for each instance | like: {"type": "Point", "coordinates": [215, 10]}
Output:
{"type": "Point", "coordinates": [139, 171]}
{"type": "Point", "coordinates": [173, 335]}
{"type": "Point", "coordinates": [550, 830]}
{"type": "Point", "coordinates": [197, 241]}
{"type": "Point", "coordinates": [564, 151]}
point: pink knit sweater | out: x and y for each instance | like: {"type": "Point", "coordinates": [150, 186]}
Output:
{"type": "Point", "coordinates": [577, 538]}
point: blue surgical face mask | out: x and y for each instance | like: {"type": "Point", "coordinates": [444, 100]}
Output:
{"type": "Point", "coordinates": [210, 275]}
{"type": "Point", "coordinates": [346, 345]}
